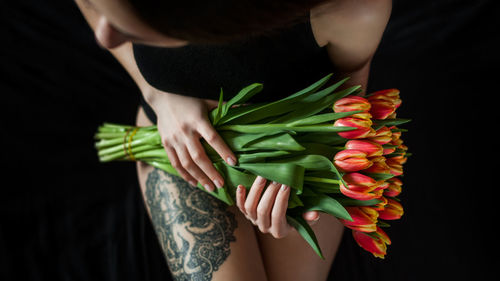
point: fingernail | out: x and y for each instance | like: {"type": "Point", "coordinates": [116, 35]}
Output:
{"type": "Point", "coordinates": [240, 188]}
{"type": "Point", "coordinates": [284, 187]}
{"type": "Point", "coordinates": [275, 182]}
{"type": "Point", "coordinates": [209, 187]}
{"type": "Point", "coordinates": [193, 183]}
{"type": "Point", "coordinates": [260, 180]}
{"type": "Point", "coordinates": [231, 161]}
{"type": "Point", "coordinates": [217, 183]}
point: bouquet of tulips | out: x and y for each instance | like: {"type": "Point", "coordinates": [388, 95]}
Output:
{"type": "Point", "coordinates": [339, 152]}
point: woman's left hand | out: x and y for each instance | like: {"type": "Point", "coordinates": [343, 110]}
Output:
{"type": "Point", "coordinates": [268, 214]}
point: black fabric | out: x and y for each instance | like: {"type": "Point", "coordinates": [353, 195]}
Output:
{"type": "Point", "coordinates": [65, 216]}
{"type": "Point", "coordinates": [283, 62]}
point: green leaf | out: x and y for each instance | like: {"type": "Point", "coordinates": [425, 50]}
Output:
{"type": "Point", "coordinates": [321, 118]}
{"type": "Point", "coordinates": [326, 204]}
{"type": "Point", "coordinates": [354, 202]}
{"type": "Point", "coordinates": [260, 156]}
{"type": "Point", "coordinates": [284, 173]}
{"type": "Point", "coordinates": [306, 232]}
{"type": "Point", "coordinates": [382, 224]}
{"type": "Point", "coordinates": [281, 141]}
{"type": "Point", "coordinates": [310, 106]}
{"type": "Point", "coordinates": [245, 94]}
{"type": "Point", "coordinates": [310, 162]}
{"type": "Point", "coordinates": [218, 111]}
{"type": "Point", "coordinates": [377, 124]}
{"type": "Point", "coordinates": [378, 176]}
{"type": "Point", "coordinates": [275, 108]}
{"type": "Point", "coordinates": [294, 201]}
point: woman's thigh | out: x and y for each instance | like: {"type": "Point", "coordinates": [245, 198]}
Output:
{"type": "Point", "coordinates": [291, 258]}
{"type": "Point", "coordinates": [202, 238]}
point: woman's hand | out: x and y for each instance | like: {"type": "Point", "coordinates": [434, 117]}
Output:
{"type": "Point", "coordinates": [268, 214]}
{"type": "Point", "coordinates": [182, 121]}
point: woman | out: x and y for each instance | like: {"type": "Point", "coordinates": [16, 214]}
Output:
{"type": "Point", "coordinates": [176, 53]}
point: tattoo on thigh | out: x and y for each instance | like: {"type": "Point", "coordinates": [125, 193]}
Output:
{"type": "Point", "coordinates": [194, 229]}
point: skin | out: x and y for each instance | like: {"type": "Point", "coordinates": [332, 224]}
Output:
{"type": "Point", "coordinates": [351, 31]}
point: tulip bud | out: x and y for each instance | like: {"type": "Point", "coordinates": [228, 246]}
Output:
{"type": "Point", "coordinates": [384, 103]}
{"type": "Point", "coordinates": [351, 160]}
{"type": "Point", "coordinates": [394, 188]}
{"type": "Point", "coordinates": [362, 115]}
{"type": "Point", "coordinates": [369, 147]}
{"type": "Point", "coordinates": [381, 205]}
{"type": "Point", "coordinates": [375, 243]}
{"type": "Point", "coordinates": [363, 219]}
{"type": "Point", "coordinates": [396, 165]}
{"type": "Point", "coordinates": [381, 136]}
{"type": "Point", "coordinates": [359, 187]}
{"type": "Point", "coordinates": [379, 166]}
{"type": "Point", "coordinates": [392, 211]}
{"type": "Point", "coordinates": [351, 103]}
{"type": "Point", "coordinates": [363, 127]}
{"type": "Point", "coordinates": [395, 135]}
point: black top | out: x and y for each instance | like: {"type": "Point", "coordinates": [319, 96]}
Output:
{"type": "Point", "coordinates": [285, 62]}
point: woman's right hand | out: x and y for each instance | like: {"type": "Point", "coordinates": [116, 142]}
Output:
{"type": "Point", "coordinates": [182, 121]}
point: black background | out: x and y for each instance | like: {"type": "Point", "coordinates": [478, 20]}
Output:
{"type": "Point", "coordinates": [65, 216]}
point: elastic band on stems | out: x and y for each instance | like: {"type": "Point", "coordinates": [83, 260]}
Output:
{"type": "Point", "coordinates": [128, 151]}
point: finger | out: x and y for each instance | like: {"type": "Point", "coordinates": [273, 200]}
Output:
{"type": "Point", "coordinates": [211, 136]}
{"type": "Point", "coordinates": [265, 206]}
{"type": "Point", "coordinates": [254, 196]}
{"type": "Point", "coordinates": [240, 198]}
{"type": "Point", "coordinates": [174, 160]}
{"type": "Point", "coordinates": [311, 217]}
{"type": "Point", "coordinates": [201, 159]}
{"type": "Point", "coordinates": [279, 226]}
{"type": "Point", "coordinates": [192, 168]}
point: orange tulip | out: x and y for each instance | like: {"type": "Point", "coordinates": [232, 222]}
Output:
{"type": "Point", "coordinates": [369, 147]}
{"type": "Point", "coordinates": [351, 103]}
{"type": "Point", "coordinates": [394, 188]}
{"type": "Point", "coordinates": [381, 205]}
{"type": "Point", "coordinates": [363, 219]}
{"type": "Point", "coordinates": [351, 160]}
{"type": "Point", "coordinates": [396, 165]}
{"type": "Point", "coordinates": [379, 166]}
{"type": "Point", "coordinates": [392, 211]}
{"type": "Point", "coordinates": [381, 136]}
{"type": "Point", "coordinates": [375, 243]}
{"type": "Point", "coordinates": [360, 187]}
{"type": "Point", "coordinates": [384, 103]}
{"type": "Point", "coordinates": [363, 127]}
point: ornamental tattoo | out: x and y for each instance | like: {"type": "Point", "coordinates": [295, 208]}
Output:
{"type": "Point", "coordinates": [194, 229]}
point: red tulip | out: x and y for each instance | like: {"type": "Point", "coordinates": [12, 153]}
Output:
{"type": "Point", "coordinates": [360, 187]}
{"type": "Point", "coordinates": [381, 205]}
{"type": "Point", "coordinates": [381, 136]}
{"type": "Point", "coordinates": [369, 147]}
{"type": "Point", "coordinates": [379, 166]}
{"type": "Point", "coordinates": [394, 188]}
{"type": "Point", "coordinates": [363, 127]}
{"type": "Point", "coordinates": [363, 219]}
{"type": "Point", "coordinates": [392, 211]}
{"type": "Point", "coordinates": [351, 103]}
{"type": "Point", "coordinates": [351, 160]}
{"type": "Point", "coordinates": [396, 165]}
{"type": "Point", "coordinates": [375, 243]}
{"type": "Point", "coordinates": [384, 103]}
